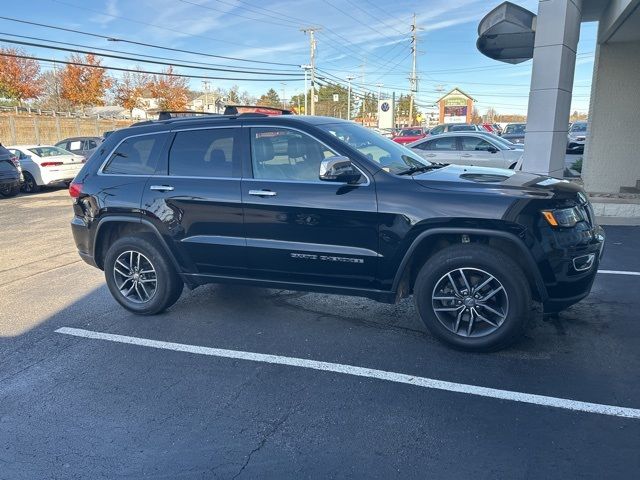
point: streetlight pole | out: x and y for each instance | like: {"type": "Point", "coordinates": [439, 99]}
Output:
{"type": "Point", "coordinates": [306, 88]}
{"type": "Point", "coordinates": [349, 78]}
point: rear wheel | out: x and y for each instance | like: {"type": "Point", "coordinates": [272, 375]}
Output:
{"type": "Point", "coordinates": [473, 297]}
{"type": "Point", "coordinates": [140, 277]}
{"type": "Point", "coordinates": [29, 185]}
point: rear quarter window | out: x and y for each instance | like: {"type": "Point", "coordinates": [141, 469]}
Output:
{"type": "Point", "coordinates": [136, 155]}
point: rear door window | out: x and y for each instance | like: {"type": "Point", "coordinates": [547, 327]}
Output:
{"type": "Point", "coordinates": [476, 144]}
{"type": "Point", "coordinates": [136, 155]}
{"type": "Point", "coordinates": [442, 144]}
{"type": "Point", "coordinates": [205, 153]}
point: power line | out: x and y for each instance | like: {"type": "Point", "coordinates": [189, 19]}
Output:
{"type": "Point", "coordinates": [133, 42]}
{"type": "Point", "coordinates": [145, 55]}
{"type": "Point", "coordinates": [154, 62]}
{"type": "Point", "coordinates": [340, 47]}
{"type": "Point", "coordinates": [376, 18]}
{"type": "Point", "coordinates": [227, 12]}
{"type": "Point", "coordinates": [121, 69]}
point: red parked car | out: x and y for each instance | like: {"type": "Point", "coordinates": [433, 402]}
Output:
{"type": "Point", "coordinates": [410, 134]}
{"type": "Point", "coordinates": [492, 128]}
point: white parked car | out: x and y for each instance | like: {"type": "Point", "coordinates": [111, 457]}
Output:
{"type": "Point", "coordinates": [468, 148]}
{"type": "Point", "coordinates": [46, 165]}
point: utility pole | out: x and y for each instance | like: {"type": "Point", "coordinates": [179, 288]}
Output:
{"type": "Point", "coordinates": [312, 55]}
{"type": "Point", "coordinates": [205, 86]}
{"type": "Point", "coordinates": [306, 88]}
{"type": "Point", "coordinates": [57, 87]}
{"type": "Point", "coordinates": [364, 101]}
{"type": "Point", "coordinates": [413, 80]}
{"type": "Point", "coordinates": [349, 78]}
{"type": "Point", "coordinates": [283, 95]}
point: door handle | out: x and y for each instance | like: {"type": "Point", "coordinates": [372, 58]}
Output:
{"type": "Point", "coordinates": [161, 188]}
{"type": "Point", "coordinates": [465, 155]}
{"type": "Point", "coordinates": [263, 193]}
{"type": "Point", "coordinates": [430, 155]}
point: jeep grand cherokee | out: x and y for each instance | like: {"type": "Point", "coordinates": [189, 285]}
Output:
{"type": "Point", "coordinates": [319, 204]}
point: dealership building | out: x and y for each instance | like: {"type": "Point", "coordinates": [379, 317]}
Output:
{"type": "Point", "coordinates": [512, 34]}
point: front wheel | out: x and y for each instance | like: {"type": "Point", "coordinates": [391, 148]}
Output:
{"type": "Point", "coordinates": [473, 297]}
{"type": "Point", "coordinates": [140, 276]}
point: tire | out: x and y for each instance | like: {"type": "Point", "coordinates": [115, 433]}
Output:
{"type": "Point", "coordinates": [29, 185]}
{"type": "Point", "coordinates": [145, 255]}
{"type": "Point", "coordinates": [10, 191]}
{"type": "Point", "coordinates": [505, 314]}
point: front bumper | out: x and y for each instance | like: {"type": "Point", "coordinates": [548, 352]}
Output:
{"type": "Point", "coordinates": [572, 285]}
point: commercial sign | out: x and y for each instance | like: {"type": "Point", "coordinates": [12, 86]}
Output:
{"type": "Point", "coordinates": [455, 101]}
{"type": "Point", "coordinates": [385, 114]}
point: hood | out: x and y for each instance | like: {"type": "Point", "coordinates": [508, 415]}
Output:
{"type": "Point", "coordinates": [498, 181]}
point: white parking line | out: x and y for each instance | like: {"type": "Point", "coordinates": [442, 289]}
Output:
{"type": "Point", "coordinates": [619, 272]}
{"type": "Point", "coordinates": [364, 372]}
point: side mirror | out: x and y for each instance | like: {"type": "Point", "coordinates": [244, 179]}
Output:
{"type": "Point", "coordinates": [492, 150]}
{"type": "Point", "coordinates": [338, 169]}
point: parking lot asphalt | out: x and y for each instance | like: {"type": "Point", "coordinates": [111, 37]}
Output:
{"type": "Point", "coordinates": [76, 407]}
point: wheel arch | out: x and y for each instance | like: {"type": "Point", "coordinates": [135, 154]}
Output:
{"type": "Point", "coordinates": [427, 243]}
{"type": "Point", "coordinates": [113, 227]}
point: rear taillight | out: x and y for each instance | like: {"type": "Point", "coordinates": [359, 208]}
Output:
{"type": "Point", "coordinates": [75, 189]}
{"type": "Point", "coordinates": [51, 164]}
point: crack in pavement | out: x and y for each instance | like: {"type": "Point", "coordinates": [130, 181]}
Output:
{"type": "Point", "coordinates": [274, 429]}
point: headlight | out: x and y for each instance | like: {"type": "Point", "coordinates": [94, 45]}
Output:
{"type": "Point", "coordinates": [565, 217]}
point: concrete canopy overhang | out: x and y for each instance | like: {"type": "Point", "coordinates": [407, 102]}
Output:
{"type": "Point", "coordinates": [507, 33]}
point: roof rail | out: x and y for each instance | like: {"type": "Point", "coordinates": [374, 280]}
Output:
{"type": "Point", "coordinates": [268, 111]}
{"type": "Point", "coordinates": [168, 114]}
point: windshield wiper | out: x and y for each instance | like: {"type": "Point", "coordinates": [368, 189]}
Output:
{"type": "Point", "coordinates": [421, 168]}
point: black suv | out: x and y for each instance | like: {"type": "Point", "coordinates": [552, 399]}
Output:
{"type": "Point", "coordinates": [319, 204]}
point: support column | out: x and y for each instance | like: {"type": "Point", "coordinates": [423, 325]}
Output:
{"type": "Point", "coordinates": [554, 59]}
{"type": "Point", "coordinates": [611, 162]}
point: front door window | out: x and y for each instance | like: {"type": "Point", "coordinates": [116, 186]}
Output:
{"type": "Point", "coordinates": [283, 154]}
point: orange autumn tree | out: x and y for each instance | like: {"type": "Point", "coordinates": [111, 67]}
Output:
{"type": "Point", "coordinates": [20, 78]}
{"type": "Point", "coordinates": [84, 81]}
{"type": "Point", "coordinates": [171, 92]}
{"type": "Point", "coordinates": [130, 88]}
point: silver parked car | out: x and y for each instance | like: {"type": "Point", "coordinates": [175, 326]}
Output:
{"type": "Point", "coordinates": [576, 137]}
{"type": "Point", "coordinates": [468, 148]}
{"type": "Point", "coordinates": [455, 127]}
{"type": "Point", "coordinates": [84, 146]}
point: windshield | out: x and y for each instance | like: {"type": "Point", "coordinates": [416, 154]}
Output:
{"type": "Point", "coordinates": [517, 128]}
{"type": "Point", "coordinates": [389, 155]}
{"type": "Point", "coordinates": [49, 151]}
{"type": "Point", "coordinates": [579, 127]}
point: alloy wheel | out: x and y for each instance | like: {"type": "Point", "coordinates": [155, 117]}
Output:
{"type": "Point", "coordinates": [135, 276]}
{"type": "Point", "coordinates": [470, 302]}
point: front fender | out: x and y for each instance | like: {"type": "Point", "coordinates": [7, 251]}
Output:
{"type": "Point", "coordinates": [423, 239]}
